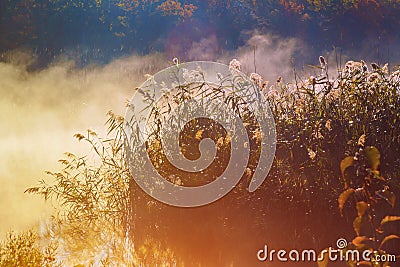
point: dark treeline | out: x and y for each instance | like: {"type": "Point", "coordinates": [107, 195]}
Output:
{"type": "Point", "coordinates": [98, 30]}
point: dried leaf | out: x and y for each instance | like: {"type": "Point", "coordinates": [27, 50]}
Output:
{"type": "Point", "coordinates": [389, 237]}
{"type": "Point", "coordinates": [362, 207]}
{"type": "Point", "coordinates": [360, 242]}
{"type": "Point", "coordinates": [361, 140]}
{"type": "Point", "coordinates": [390, 219]}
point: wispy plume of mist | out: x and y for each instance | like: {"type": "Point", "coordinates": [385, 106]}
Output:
{"type": "Point", "coordinates": [206, 49]}
{"type": "Point", "coordinates": [268, 55]}
{"type": "Point", "coordinates": [273, 56]}
{"type": "Point", "coordinates": [40, 111]}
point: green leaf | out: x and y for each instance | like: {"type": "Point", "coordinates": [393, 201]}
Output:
{"type": "Point", "coordinates": [390, 219]}
{"type": "Point", "coordinates": [389, 237]}
{"type": "Point", "coordinates": [344, 164]}
{"type": "Point", "coordinates": [362, 207]}
{"type": "Point", "coordinates": [374, 157]}
{"type": "Point", "coordinates": [343, 198]}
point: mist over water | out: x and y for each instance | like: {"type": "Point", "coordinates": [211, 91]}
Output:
{"type": "Point", "coordinates": [41, 110]}
{"type": "Point", "coordinates": [65, 83]}
{"type": "Point", "coordinates": [43, 106]}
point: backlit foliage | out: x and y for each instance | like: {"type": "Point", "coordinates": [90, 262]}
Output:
{"type": "Point", "coordinates": [320, 119]}
{"type": "Point", "coordinates": [175, 8]}
{"type": "Point", "coordinates": [92, 196]}
{"type": "Point", "coordinates": [374, 202]}
{"type": "Point", "coordinates": [24, 249]}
